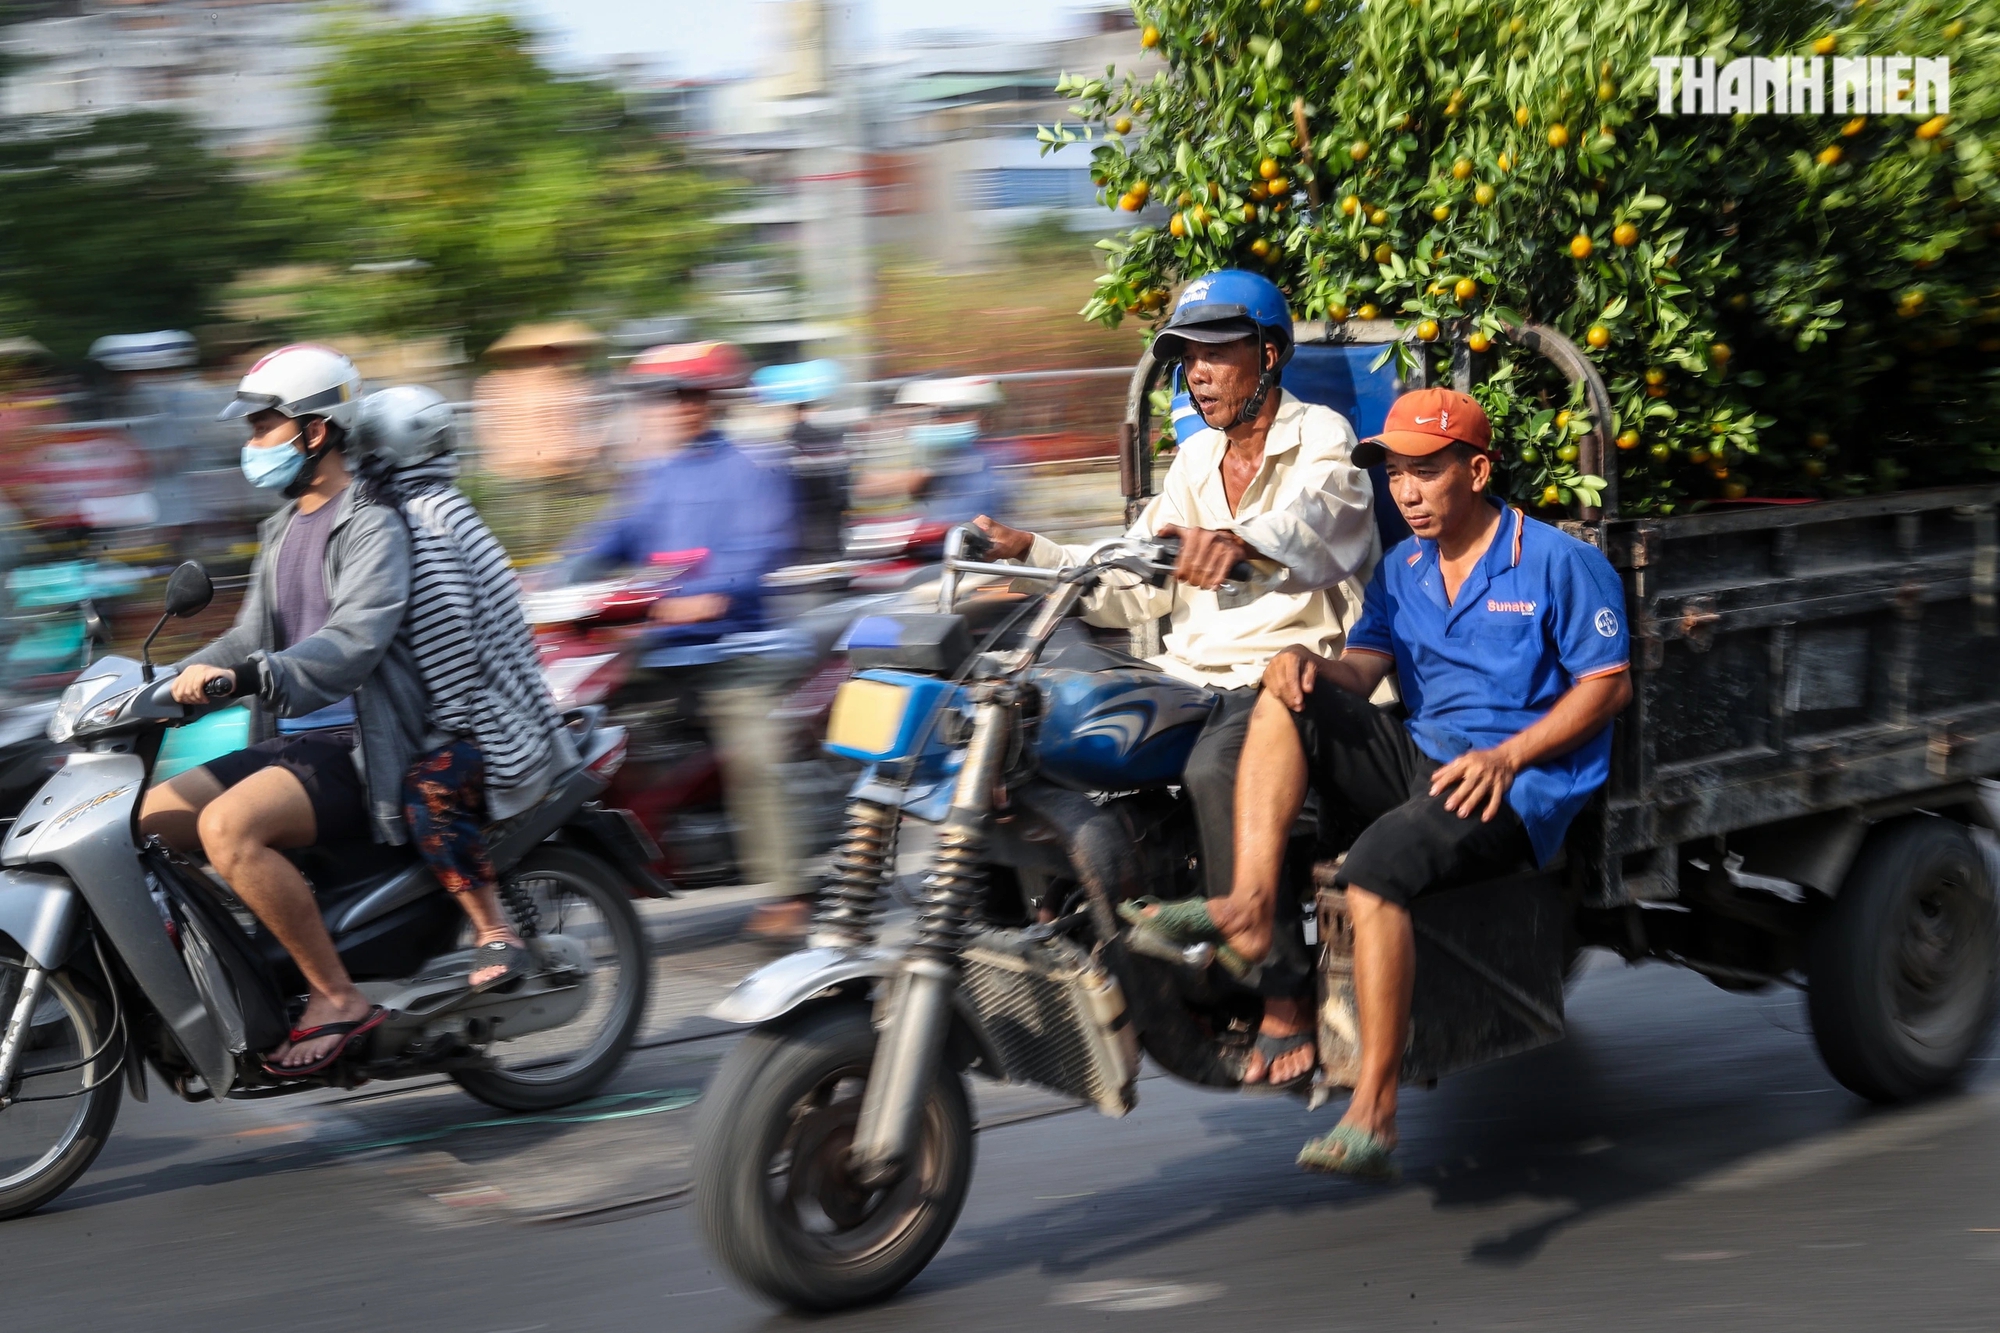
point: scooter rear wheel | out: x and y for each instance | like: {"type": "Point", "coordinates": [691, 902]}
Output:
{"type": "Point", "coordinates": [582, 897]}
{"type": "Point", "coordinates": [772, 1189]}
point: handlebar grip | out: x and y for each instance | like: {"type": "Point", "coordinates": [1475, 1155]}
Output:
{"type": "Point", "coordinates": [1170, 550]}
{"type": "Point", "coordinates": [217, 687]}
{"type": "Point", "coordinates": [973, 543]}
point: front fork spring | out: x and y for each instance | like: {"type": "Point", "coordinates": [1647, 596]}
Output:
{"type": "Point", "coordinates": [951, 891]}
{"type": "Point", "coordinates": [850, 901]}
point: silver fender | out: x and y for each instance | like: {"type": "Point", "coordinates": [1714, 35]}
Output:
{"type": "Point", "coordinates": [779, 987]}
{"type": "Point", "coordinates": [81, 821]}
{"type": "Point", "coordinates": [40, 913]}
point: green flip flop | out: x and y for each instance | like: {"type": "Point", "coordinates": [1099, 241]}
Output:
{"type": "Point", "coordinates": [1175, 926]}
{"type": "Point", "coordinates": [1349, 1150]}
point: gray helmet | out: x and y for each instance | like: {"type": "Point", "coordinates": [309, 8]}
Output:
{"type": "Point", "coordinates": [406, 424]}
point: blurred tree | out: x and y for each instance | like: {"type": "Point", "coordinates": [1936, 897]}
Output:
{"type": "Point", "coordinates": [119, 224]}
{"type": "Point", "coordinates": [458, 185]}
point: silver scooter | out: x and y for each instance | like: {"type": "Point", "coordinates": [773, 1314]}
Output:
{"type": "Point", "coordinates": [117, 953]}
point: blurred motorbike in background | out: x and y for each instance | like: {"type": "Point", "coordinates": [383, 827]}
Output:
{"type": "Point", "coordinates": [596, 650]}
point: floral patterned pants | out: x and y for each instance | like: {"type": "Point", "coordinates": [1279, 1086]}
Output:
{"type": "Point", "coordinates": [444, 802]}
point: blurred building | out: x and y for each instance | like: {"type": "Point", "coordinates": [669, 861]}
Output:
{"type": "Point", "coordinates": [926, 152]}
{"type": "Point", "coordinates": [239, 68]}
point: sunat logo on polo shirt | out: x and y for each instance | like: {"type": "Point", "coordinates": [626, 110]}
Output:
{"type": "Point", "coordinates": [1518, 608]}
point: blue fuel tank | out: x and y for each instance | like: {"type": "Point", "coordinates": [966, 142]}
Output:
{"type": "Point", "coordinates": [1117, 730]}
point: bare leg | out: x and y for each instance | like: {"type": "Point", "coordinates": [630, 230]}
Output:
{"type": "Point", "coordinates": [171, 811]}
{"type": "Point", "coordinates": [245, 831]}
{"type": "Point", "coordinates": [489, 923]}
{"type": "Point", "coordinates": [1385, 970]}
{"type": "Point", "coordinates": [1270, 790]}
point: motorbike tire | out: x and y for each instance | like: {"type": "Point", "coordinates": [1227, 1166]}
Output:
{"type": "Point", "coordinates": [1902, 969]}
{"type": "Point", "coordinates": [85, 1135]}
{"type": "Point", "coordinates": [522, 1091]}
{"type": "Point", "coordinates": [777, 1098]}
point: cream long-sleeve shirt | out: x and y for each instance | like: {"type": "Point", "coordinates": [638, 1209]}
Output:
{"type": "Point", "coordinates": [1308, 509]}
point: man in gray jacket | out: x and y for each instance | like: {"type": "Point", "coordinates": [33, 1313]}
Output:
{"type": "Point", "coordinates": [339, 707]}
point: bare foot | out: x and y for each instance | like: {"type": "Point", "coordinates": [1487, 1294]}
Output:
{"type": "Point", "coordinates": [1244, 929]}
{"type": "Point", "coordinates": [1375, 1119]}
{"type": "Point", "coordinates": [320, 1010]}
{"type": "Point", "coordinates": [486, 972]}
{"type": "Point", "coordinates": [1283, 1018]}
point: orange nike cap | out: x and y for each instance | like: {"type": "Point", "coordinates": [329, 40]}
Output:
{"type": "Point", "coordinates": [1424, 421]}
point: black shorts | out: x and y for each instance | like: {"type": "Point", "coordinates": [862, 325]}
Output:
{"type": "Point", "coordinates": [323, 762]}
{"type": "Point", "coordinates": [1374, 782]}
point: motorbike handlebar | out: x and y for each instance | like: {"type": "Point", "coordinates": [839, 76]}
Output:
{"type": "Point", "coordinates": [1170, 549]}
{"type": "Point", "coordinates": [218, 687]}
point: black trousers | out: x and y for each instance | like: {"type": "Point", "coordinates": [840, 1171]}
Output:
{"type": "Point", "coordinates": [1210, 782]}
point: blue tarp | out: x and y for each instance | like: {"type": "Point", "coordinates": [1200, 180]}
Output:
{"type": "Point", "coordinates": [1338, 376]}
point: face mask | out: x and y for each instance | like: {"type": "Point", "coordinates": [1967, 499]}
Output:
{"type": "Point", "coordinates": [272, 465]}
{"type": "Point", "coordinates": [944, 437]}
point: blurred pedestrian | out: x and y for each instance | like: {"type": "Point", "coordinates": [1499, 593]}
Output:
{"type": "Point", "coordinates": [819, 460]}
{"type": "Point", "coordinates": [538, 433]}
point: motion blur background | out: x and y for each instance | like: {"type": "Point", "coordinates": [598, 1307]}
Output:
{"type": "Point", "coordinates": [508, 205]}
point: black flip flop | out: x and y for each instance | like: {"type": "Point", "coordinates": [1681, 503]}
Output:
{"type": "Point", "coordinates": [500, 953]}
{"type": "Point", "coordinates": [347, 1032]}
{"type": "Point", "coordinates": [1272, 1047]}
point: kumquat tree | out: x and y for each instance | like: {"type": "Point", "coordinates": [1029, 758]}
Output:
{"type": "Point", "coordinates": [1784, 301]}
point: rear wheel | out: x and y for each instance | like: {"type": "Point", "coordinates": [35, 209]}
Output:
{"type": "Point", "coordinates": [1902, 968]}
{"type": "Point", "coordinates": [772, 1187]}
{"type": "Point", "coordinates": [65, 1098]}
{"type": "Point", "coordinates": [579, 897]}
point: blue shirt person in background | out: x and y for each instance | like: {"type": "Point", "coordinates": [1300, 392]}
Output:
{"type": "Point", "coordinates": [1509, 642]}
{"type": "Point", "coordinates": [709, 503]}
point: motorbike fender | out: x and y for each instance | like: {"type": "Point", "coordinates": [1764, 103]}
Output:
{"type": "Point", "coordinates": [81, 821]}
{"type": "Point", "coordinates": [778, 988]}
{"type": "Point", "coordinates": [40, 913]}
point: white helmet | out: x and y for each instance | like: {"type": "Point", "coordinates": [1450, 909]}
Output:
{"type": "Point", "coordinates": [965, 393]}
{"type": "Point", "coordinates": [406, 424]}
{"type": "Point", "coordinates": [301, 380]}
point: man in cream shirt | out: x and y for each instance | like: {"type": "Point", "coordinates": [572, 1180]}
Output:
{"type": "Point", "coordinates": [1270, 478]}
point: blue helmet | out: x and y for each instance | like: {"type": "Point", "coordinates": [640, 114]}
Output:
{"type": "Point", "coordinates": [1224, 307]}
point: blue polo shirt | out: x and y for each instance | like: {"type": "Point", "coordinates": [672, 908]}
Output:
{"type": "Point", "coordinates": [1540, 612]}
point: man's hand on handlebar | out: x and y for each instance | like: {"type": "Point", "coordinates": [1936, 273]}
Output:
{"type": "Point", "coordinates": [192, 685]}
{"type": "Point", "coordinates": [1007, 543]}
{"type": "Point", "coordinates": [689, 610]}
{"type": "Point", "coordinates": [1206, 555]}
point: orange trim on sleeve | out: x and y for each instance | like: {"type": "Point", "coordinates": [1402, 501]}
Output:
{"type": "Point", "coordinates": [1367, 652]}
{"type": "Point", "coordinates": [1604, 671]}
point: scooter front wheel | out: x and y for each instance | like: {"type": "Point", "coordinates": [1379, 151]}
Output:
{"type": "Point", "coordinates": [772, 1188]}
{"type": "Point", "coordinates": [66, 1091]}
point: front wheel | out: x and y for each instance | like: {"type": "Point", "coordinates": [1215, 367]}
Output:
{"type": "Point", "coordinates": [579, 897]}
{"type": "Point", "coordinates": [1902, 969]}
{"type": "Point", "coordinates": [772, 1187]}
{"type": "Point", "coordinates": [66, 1092]}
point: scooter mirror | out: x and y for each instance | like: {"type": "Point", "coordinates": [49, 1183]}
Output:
{"type": "Point", "coordinates": [188, 590]}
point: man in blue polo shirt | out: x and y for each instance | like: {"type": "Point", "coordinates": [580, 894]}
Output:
{"type": "Point", "coordinates": [1509, 642]}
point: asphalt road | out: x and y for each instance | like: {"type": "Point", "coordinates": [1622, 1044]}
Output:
{"type": "Point", "coordinates": [1680, 1161]}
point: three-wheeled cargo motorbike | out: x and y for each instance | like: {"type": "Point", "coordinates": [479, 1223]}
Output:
{"type": "Point", "coordinates": [1798, 797]}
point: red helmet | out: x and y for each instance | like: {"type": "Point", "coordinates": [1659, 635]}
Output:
{"type": "Point", "coordinates": [698, 366]}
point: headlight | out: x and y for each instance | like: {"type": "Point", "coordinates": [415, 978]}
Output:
{"type": "Point", "coordinates": [74, 712]}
